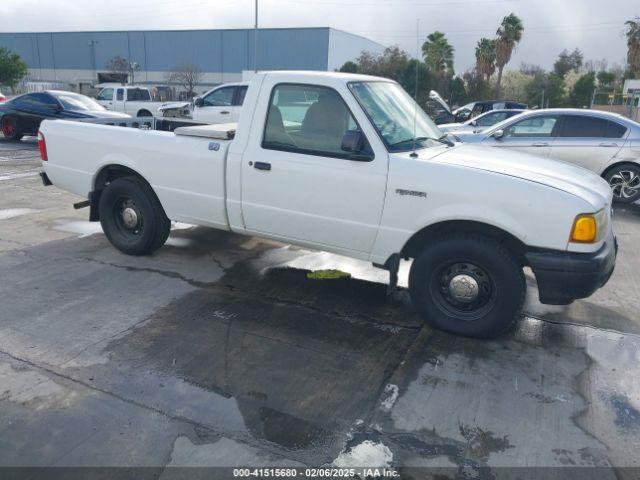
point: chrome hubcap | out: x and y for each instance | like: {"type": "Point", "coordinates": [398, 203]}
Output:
{"type": "Point", "coordinates": [625, 184]}
{"type": "Point", "coordinates": [130, 218]}
{"type": "Point", "coordinates": [464, 288]}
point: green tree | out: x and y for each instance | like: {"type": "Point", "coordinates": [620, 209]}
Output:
{"type": "Point", "coordinates": [458, 93]}
{"type": "Point", "coordinates": [438, 53]}
{"type": "Point", "coordinates": [349, 67]}
{"type": "Point", "coordinates": [477, 87]}
{"type": "Point", "coordinates": [426, 81]}
{"type": "Point", "coordinates": [582, 91]}
{"type": "Point", "coordinates": [391, 63]}
{"type": "Point", "coordinates": [633, 44]}
{"type": "Point", "coordinates": [486, 58]}
{"type": "Point", "coordinates": [606, 79]}
{"type": "Point", "coordinates": [438, 56]}
{"type": "Point", "coordinates": [568, 61]}
{"type": "Point", "coordinates": [508, 36]}
{"type": "Point", "coordinates": [545, 89]}
{"type": "Point", "coordinates": [12, 68]}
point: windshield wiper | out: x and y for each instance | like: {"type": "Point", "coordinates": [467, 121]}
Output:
{"type": "Point", "coordinates": [442, 140]}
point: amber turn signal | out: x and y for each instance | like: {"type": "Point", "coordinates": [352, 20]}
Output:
{"type": "Point", "coordinates": [585, 229]}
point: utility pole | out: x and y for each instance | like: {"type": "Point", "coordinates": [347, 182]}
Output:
{"type": "Point", "coordinates": [255, 41]}
{"type": "Point", "coordinates": [92, 44]}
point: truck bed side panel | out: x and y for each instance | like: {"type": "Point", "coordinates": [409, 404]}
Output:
{"type": "Point", "coordinates": [184, 172]}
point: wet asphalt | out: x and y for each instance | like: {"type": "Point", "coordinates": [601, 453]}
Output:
{"type": "Point", "coordinates": [218, 350]}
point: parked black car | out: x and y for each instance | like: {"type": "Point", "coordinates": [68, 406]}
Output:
{"type": "Point", "coordinates": [22, 115]}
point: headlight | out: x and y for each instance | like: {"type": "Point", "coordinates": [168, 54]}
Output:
{"type": "Point", "coordinates": [588, 228]}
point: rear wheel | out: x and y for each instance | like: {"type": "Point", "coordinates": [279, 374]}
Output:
{"type": "Point", "coordinates": [10, 129]}
{"type": "Point", "coordinates": [132, 217]}
{"type": "Point", "coordinates": [467, 284]}
{"type": "Point", "coordinates": [624, 181]}
{"type": "Point", "coordinates": [144, 113]}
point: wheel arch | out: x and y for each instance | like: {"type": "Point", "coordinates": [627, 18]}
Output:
{"type": "Point", "coordinates": [421, 238]}
{"type": "Point", "coordinates": [107, 174]}
{"type": "Point", "coordinates": [138, 114]}
{"type": "Point", "coordinates": [619, 164]}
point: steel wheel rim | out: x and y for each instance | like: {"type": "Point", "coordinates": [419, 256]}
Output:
{"type": "Point", "coordinates": [625, 184]}
{"type": "Point", "coordinates": [128, 218]}
{"type": "Point", "coordinates": [474, 300]}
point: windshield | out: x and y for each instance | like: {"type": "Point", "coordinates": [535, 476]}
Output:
{"type": "Point", "coordinates": [73, 101]}
{"type": "Point", "coordinates": [392, 110]}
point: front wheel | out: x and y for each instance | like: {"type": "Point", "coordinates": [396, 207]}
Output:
{"type": "Point", "coordinates": [132, 217]}
{"type": "Point", "coordinates": [624, 181]}
{"type": "Point", "coordinates": [467, 284]}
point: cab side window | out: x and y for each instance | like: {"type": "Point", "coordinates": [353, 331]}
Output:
{"type": "Point", "coordinates": [540, 126]}
{"type": "Point", "coordinates": [221, 97]}
{"type": "Point", "coordinates": [106, 94]}
{"type": "Point", "coordinates": [308, 119]}
{"type": "Point", "coordinates": [120, 94]}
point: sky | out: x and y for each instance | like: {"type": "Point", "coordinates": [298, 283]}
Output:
{"type": "Point", "coordinates": [594, 26]}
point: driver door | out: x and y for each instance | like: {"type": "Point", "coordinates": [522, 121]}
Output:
{"type": "Point", "coordinates": [298, 183]}
{"type": "Point", "coordinates": [534, 135]}
{"type": "Point", "coordinates": [217, 106]}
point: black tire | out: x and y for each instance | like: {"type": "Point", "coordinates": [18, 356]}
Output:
{"type": "Point", "coordinates": [451, 260]}
{"type": "Point", "coordinates": [141, 232]}
{"type": "Point", "coordinates": [10, 130]}
{"type": "Point", "coordinates": [144, 113]}
{"type": "Point", "coordinates": [624, 181]}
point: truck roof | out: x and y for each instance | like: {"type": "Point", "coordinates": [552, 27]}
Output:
{"type": "Point", "coordinates": [309, 75]}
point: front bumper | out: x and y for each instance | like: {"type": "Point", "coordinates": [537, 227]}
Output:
{"type": "Point", "coordinates": [564, 276]}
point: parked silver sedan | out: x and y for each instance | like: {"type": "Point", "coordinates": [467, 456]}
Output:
{"type": "Point", "coordinates": [606, 143]}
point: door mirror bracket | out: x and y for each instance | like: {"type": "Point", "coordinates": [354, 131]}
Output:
{"type": "Point", "coordinates": [498, 134]}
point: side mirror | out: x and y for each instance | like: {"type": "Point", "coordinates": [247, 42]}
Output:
{"type": "Point", "coordinates": [474, 123]}
{"type": "Point", "coordinates": [353, 142]}
{"type": "Point", "coordinates": [498, 134]}
{"type": "Point", "coordinates": [199, 102]}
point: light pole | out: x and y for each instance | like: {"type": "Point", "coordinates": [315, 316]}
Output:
{"type": "Point", "coordinates": [255, 41]}
{"type": "Point", "coordinates": [92, 44]}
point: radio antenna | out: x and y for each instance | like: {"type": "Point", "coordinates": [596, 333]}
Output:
{"type": "Point", "coordinates": [415, 90]}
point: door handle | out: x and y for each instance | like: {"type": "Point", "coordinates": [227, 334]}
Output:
{"type": "Point", "coordinates": [262, 165]}
{"type": "Point", "coordinates": [540, 144]}
{"type": "Point", "coordinates": [224, 112]}
{"type": "Point", "coordinates": [612, 144]}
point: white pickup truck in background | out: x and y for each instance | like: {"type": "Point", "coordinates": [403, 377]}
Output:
{"type": "Point", "coordinates": [348, 164]}
{"type": "Point", "coordinates": [136, 101]}
{"type": "Point", "coordinates": [221, 104]}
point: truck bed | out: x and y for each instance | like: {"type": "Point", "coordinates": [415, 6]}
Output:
{"type": "Point", "coordinates": [185, 171]}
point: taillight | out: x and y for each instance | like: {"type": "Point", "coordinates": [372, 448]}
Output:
{"type": "Point", "coordinates": [42, 145]}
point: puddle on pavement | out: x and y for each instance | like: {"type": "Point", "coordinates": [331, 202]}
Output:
{"type": "Point", "coordinates": [296, 378]}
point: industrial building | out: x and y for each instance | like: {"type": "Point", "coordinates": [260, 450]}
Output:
{"type": "Point", "coordinates": [79, 59]}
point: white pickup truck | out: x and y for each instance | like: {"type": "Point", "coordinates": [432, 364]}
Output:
{"type": "Point", "coordinates": [346, 163]}
{"type": "Point", "coordinates": [136, 101]}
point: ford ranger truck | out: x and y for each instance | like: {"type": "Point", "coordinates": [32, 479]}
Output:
{"type": "Point", "coordinates": [349, 164]}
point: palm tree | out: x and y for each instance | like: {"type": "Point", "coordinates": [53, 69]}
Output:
{"type": "Point", "coordinates": [633, 42]}
{"type": "Point", "coordinates": [486, 57]}
{"type": "Point", "coordinates": [438, 53]}
{"type": "Point", "coordinates": [508, 36]}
